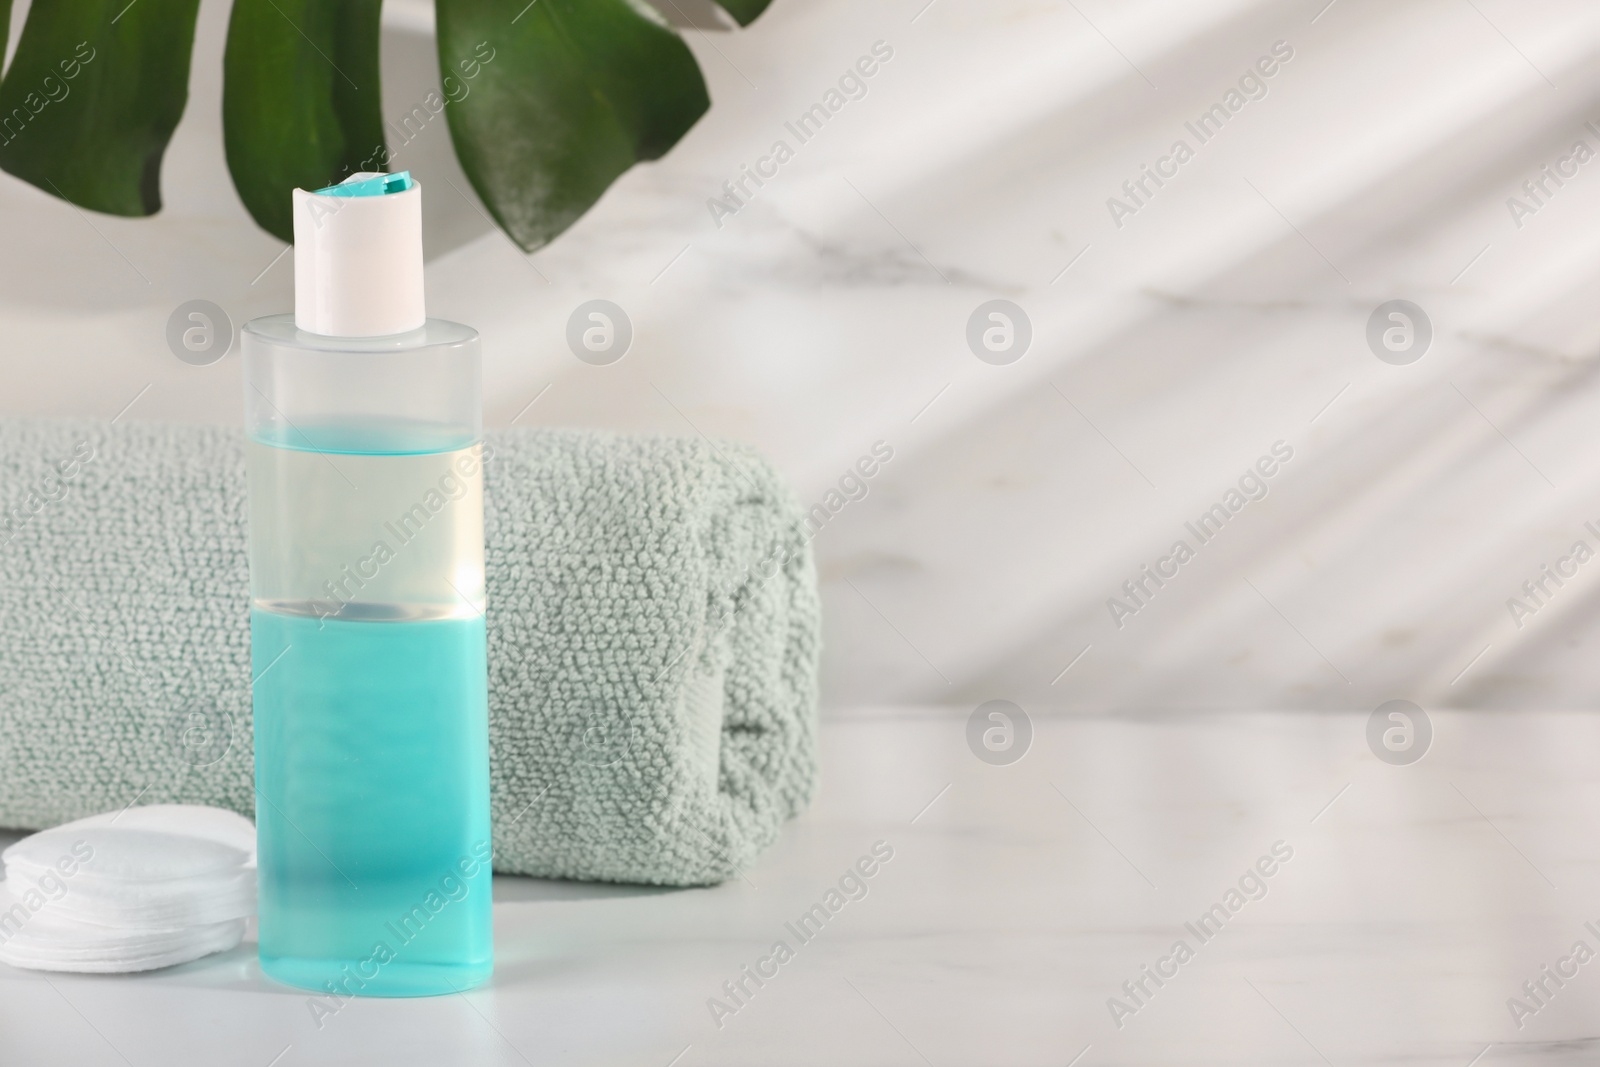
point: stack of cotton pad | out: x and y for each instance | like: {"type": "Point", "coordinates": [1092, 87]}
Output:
{"type": "Point", "coordinates": [128, 891]}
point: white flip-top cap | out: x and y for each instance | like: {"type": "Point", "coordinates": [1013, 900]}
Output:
{"type": "Point", "coordinates": [358, 257]}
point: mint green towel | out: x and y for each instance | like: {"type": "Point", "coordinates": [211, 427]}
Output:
{"type": "Point", "coordinates": [653, 641]}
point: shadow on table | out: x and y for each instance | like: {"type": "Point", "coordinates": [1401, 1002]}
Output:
{"type": "Point", "coordinates": [510, 888]}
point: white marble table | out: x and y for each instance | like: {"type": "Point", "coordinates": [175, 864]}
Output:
{"type": "Point", "coordinates": [1019, 898]}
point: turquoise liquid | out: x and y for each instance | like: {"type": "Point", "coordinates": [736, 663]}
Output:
{"type": "Point", "coordinates": [371, 728]}
{"type": "Point", "coordinates": [372, 814]}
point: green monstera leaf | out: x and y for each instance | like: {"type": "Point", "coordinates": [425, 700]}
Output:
{"type": "Point", "coordinates": [92, 96]}
{"type": "Point", "coordinates": [567, 96]}
{"type": "Point", "coordinates": [744, 12]}
{"type": "Point", "coordinates": [301, 103]}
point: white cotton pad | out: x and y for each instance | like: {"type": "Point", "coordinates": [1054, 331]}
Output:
{"type": "Point", "coordinates": [128, 891]}
{"type": "Point", "coordinates": [119, 876]}
{"type": "Point", "coordinates": [139, 905]}
{"type": "Point", "coordinates": [192, 820]}
{"type": "Point", "coordinates": [118, 854]}
{"type": "Point", "coordinates": [93, 950]}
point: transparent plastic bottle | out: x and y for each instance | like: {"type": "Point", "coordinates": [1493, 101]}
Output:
{"type": "Point", "coordinates": [367, 615]}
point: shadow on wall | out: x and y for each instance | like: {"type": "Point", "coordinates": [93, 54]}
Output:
{"type": "Point", "coordinates": [1381, 563]}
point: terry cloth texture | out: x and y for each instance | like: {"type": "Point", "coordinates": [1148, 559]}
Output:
{"type": "Point", "coordinates": [653, 641]}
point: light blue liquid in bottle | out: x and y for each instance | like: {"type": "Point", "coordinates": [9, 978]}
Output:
{"type": "Point", "coordinates": [374, 836]}
{"type": "Point", "coordinates": [368, 647]}
{"type": "Point", "coordinates": [371, 719]}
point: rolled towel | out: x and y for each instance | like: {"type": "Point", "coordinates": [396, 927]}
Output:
{"type": "Point", "coordinates": [653, 641]}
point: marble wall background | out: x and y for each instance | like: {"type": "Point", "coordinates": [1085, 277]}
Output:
{"type": "Point", "coordinates": [1168, 353]}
